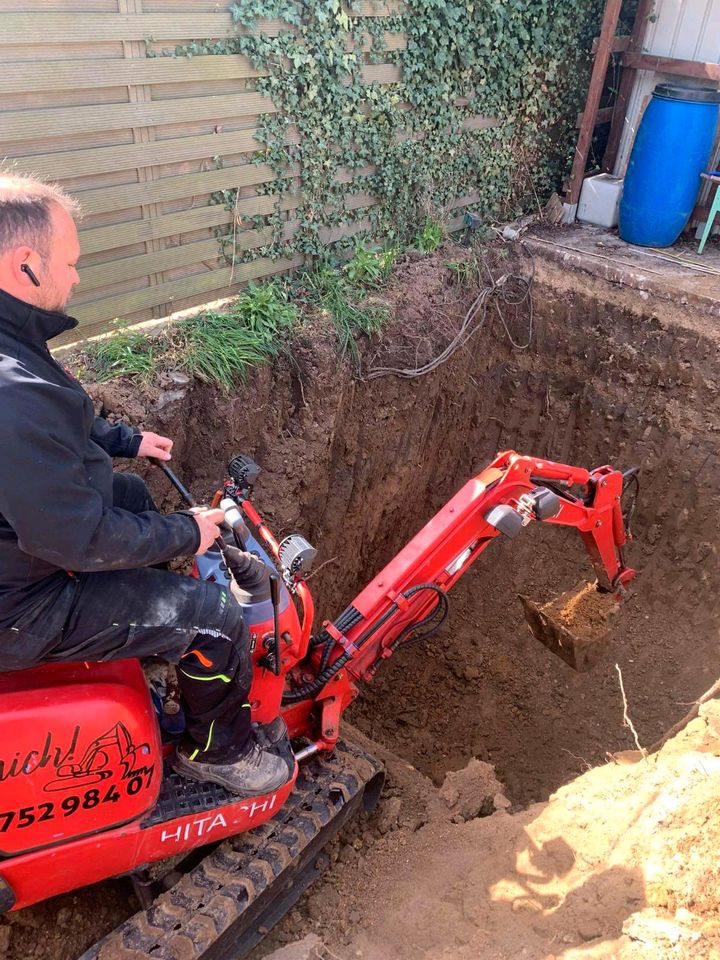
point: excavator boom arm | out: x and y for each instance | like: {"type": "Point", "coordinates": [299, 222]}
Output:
{"type": "Point", "coordinates": [510, 493]}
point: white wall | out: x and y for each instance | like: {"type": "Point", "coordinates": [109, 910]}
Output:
{"type": "Point", "coordinates": [686, 29]}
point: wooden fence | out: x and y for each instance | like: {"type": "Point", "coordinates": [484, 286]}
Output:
{"type": "Point", "coordinates": [134, 138]}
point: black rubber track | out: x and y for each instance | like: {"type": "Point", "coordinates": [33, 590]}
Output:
{"type": "Point", "coordinates": [222, 907]}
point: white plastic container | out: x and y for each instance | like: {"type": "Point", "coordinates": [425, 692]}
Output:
{"type": "Point", "coordinates": [600, 200]}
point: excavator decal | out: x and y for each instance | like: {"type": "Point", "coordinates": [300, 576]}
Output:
{"type": "Point", "coordinates": [101, 758]}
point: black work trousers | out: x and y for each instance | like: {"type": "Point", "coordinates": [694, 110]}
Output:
{"type": "Point", "coordinates": [149, 612]}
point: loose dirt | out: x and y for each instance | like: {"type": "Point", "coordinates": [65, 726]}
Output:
{"type": "Point", "coordinates": [359, 467]}
{"type": "Point", "coordinates": [621, 863]}
{"type": "Point", "coordinates": [583, 610]}
{"type": "Point", "coordinates": [576, 625]}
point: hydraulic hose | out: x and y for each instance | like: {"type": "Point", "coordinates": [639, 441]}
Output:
{"type": "Point", "coordinates": [330, 670]}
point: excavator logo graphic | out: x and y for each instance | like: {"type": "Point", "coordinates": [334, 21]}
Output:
{"type": "Point", "coordinates": [100, 761]}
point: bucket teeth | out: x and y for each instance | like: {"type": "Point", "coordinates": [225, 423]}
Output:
{"type": "Point", "coordinates": [575, 626]}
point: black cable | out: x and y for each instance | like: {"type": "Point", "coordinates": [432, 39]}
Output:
{"type": "Point", "coordinates": [325, 675]}
{"type": "Point", "coordinates": [630, 512]}
{"type": "Point", "coordinates": [347, 619]}
{"type": "Point", "coordinates": [443, 605]}
{"type": "Point", "coordinates": [559, 491]}
{"type": "Point", "coordinates": [493, 292]}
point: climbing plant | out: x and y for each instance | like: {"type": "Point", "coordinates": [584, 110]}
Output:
{"type": "Point", "coordinates": [415, 145]}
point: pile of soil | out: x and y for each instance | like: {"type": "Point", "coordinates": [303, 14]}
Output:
{"type": "Point", "coordinates": [583, 611]}
{"type": "Point", "coordinates": [620, 863]}
{"type": "Point", "coordinates": [358, 467]}
{"type": "Point", "coordinates": [576, 625]}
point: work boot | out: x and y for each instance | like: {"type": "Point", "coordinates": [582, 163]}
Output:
{"type": "Point", "coordinates": [271, 734]}
{"type": "Point", "coordinates": [254, 773]}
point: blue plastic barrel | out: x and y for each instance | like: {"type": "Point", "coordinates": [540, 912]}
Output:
{"type": "Point", "coordinates": [671, 150]}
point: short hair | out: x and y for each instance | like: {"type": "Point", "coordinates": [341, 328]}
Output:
{"type": "Point", "coordinates": [25, 207]}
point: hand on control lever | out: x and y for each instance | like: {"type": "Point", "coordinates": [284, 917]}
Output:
{"type": "Point", "coordinates": [208, 521]}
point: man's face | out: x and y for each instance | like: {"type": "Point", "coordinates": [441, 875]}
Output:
{"type": "Point", "coordinates": [57, 270]}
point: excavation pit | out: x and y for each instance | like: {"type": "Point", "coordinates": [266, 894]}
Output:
{"type": "Point", "coordinates": [358, 467]}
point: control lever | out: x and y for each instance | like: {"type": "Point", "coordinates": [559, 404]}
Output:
{"type": "Point", "coordinates": [184, 493]}
{"type": "Point", "coordinates": [234, 518]}
{"type": "Point", "coordinates": [275, 599]}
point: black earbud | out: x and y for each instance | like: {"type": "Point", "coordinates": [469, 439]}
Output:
{"type": "Point", "coordinates": [29, 271]}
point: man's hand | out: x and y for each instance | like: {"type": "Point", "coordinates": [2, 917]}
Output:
{"type": "Point", "coordinates": [208, 522]}
{"type": "Point", "coordinates": [153, 445]}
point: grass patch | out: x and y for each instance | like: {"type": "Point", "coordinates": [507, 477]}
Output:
{"type": "Point", "coordinates": [332, 293]}
{"type": "Point", "coordinates": [267, 312]}
{"type": "Point", "coordinates": [369, 268]}
{"type": "Point", "coordinates": [221, 347]}
{"type": "Point", "coordinates": [125, 353]}
{"type": "Point", "coordinates": [214, 347]}
{"type": "Point", "coordinates": [463, 271]}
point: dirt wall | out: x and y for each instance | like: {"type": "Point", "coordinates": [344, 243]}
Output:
{"type": "Point", "coordinates": [359, 466]}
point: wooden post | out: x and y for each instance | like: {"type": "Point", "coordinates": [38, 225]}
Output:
{"type": "Point", "coordinates": [597, 82]}
{"type": "Point", "coordinates": [697, 69]}
{"type": "Point", "coordinates": [627, 81]}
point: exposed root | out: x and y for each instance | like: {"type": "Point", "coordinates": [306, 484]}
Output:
{"type": "Point", "coordinates": [627, 722]}
{"type": "Point", "coordinates": [690, 715]}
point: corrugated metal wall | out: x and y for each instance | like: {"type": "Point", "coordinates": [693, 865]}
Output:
{"type": "Point", "coordinates": [687, 30]}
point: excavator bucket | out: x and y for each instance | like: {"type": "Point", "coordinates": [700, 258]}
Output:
{"type": "Point", "coordinates": [576, 625]}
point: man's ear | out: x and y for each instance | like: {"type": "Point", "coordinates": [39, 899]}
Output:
{"type": "Point", "coordinates": [24, 255]}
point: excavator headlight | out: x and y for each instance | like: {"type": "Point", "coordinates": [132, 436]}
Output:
{"type": "Point", "coordinates": [296, 555]}
{"type": "Point", "coordinates": [505, 519]}
{"type": "Point", "coordinates": [546, 504]}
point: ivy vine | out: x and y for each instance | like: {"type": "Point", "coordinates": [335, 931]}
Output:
{"type": "Point", "coordinates": [414, 144]}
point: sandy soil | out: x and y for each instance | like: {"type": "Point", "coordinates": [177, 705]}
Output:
{"type": "Point", "coordinates": [620, 863]}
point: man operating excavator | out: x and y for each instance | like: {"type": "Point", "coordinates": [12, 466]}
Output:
{"type": "Point", "coordinates": [82, 548]}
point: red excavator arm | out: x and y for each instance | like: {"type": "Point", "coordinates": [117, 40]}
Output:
{"type": "Point", "coordinates": [409, 596]}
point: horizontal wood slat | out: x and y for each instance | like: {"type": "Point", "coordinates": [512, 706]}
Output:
{"type": "Point", "coordinates": [80, 74]}
{"type": "Point", "coordinates": [381, 73]}
{"type": "Point", "coordinates": [64, 121]}
{"type": "Point", "coordinates": [376, 8]}
{"type": "Point", "coordinates": [154, 228]}
{"type": "Point", "coordinates": [391, 41]}
{"type": "Point", "coordinates": [87, 74]}
{"type": "Point", "coordinates": [696, 69]}
{"type": "Point", "coordinates": [124, 196]}
{"type": "Point", "coordinates": [604, 115]}
{"type": "Point", "coordinates": [20, 28]}
{"type": "Point", "coordinates": [118, 235]}
{"type": "Point", "coordinates": [129, 303]}
{"type": "Point", "coordinates": [144, 265]}
{"type": "Point", "coordinates": [618, 45]}
{"type": "Point", "coordinates": [93, 27]}
{"type": "Point", "coordinates": [127, 156]}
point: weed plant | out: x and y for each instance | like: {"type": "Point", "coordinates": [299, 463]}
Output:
{"type": "Point", "coordinates": [369, 268]}
{"type": "Point", "coordinates": [124, 353]}
{"type": "Point", "coordinates": [463, 271]}
{"type": "Point", "coordinates": [430, 236]}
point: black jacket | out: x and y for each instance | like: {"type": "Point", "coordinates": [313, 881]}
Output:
{"type": "Point", "coordinates": [56, 509]}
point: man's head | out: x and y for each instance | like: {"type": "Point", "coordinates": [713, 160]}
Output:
{"type": "Point", "coordinates": [38, 237]}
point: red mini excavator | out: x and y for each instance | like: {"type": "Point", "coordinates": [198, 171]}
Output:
{"type": "Point", "coordinates": [86, 792]}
